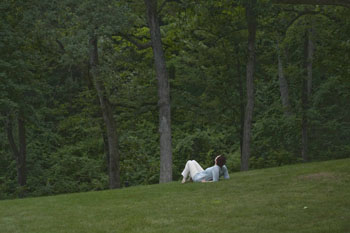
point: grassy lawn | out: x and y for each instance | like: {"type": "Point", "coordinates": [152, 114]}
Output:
{"type": "Point", "coordinates": [303, 198]}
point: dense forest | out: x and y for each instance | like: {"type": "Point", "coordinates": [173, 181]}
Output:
{"type": "Point", "coordinates": [108, 94]}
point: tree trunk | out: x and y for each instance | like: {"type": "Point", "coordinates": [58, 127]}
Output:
{"type": "Point", "coordinates": [306, 92]}
{"type": "Point", "coordinates": [113, 165]}
{"type": "Point", "coordinates": [19, 154]}
{"type": "Point", "coordinates": [163, 93]}
{"type": "Point", "coordinates": [310, 58]}
{"type": "Point", "coordinates": [241, 97]}
{"type": "Point", "coordinates": [105, 146]}
{"type": "Point", "coordinates": [283, 84]}
{"type": "Point", "coordinates": [252, 24]}
{"type": "Point", "coordinates": [21, 165]}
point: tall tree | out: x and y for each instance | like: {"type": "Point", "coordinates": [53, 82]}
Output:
{"type": "Point", "coordinates": [17, 78]}
{"type": "Point", "coordinates": [283, 84]}
{"type": "Point", "coordinates": [113, 158]}
{"type": "Point", "coordinates": [306, 90]}
{"type": "Point", "coordinates": [19, 151]}
{"type": "Point", "coordinates": [252, 25]}
{"type": "Point", "coordinates": [163, 93]}
{"type": "Point", "coordinates": [90, 22]}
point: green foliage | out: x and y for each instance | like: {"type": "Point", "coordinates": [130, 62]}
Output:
{"type": "Point", "coordinates": [276, 139]}
{"type": "Point", "coordinates": [140, 154]}
{"type": "Point", "coordinates": [331, 123]}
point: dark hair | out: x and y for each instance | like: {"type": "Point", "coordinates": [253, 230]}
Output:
{"type": "Point", "coordinates": [221, 160]}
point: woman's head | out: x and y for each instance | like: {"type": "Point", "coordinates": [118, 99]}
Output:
{"type": "Point", "coordinates": [220, 160]}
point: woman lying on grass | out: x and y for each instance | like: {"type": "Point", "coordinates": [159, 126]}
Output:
{"type": "Point", "coordinates": [195, 172]}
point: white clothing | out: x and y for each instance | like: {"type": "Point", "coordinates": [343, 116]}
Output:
{"type": "Point", "coordinates": [191, 168]}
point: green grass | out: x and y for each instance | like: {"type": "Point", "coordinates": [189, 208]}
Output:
{"type": "Point", "coordinates": [313, 197]}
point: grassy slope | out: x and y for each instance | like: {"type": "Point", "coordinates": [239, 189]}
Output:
{"type": "Point", "coordinates": [312, 197]}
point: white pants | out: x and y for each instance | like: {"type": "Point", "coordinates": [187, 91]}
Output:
{"type": "Point", "coordinates": [191, 168]}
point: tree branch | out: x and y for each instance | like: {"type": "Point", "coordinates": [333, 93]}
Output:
{"type": "Point", "coordinates": [134, 41]}
{"type": "Point", "coordinates": [345, 3]}
{"type": "Point", "coordinates": [164, 3]}
{"type": "Point", "coordinates": [11, 139]}
{"type": "Point", "coordinates": [61, 46]}
{"type": "Point", "coordinates": [300, 15]}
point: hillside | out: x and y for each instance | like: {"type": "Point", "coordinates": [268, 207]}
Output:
{"type": "Point", "coordinates": [313, 197]}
